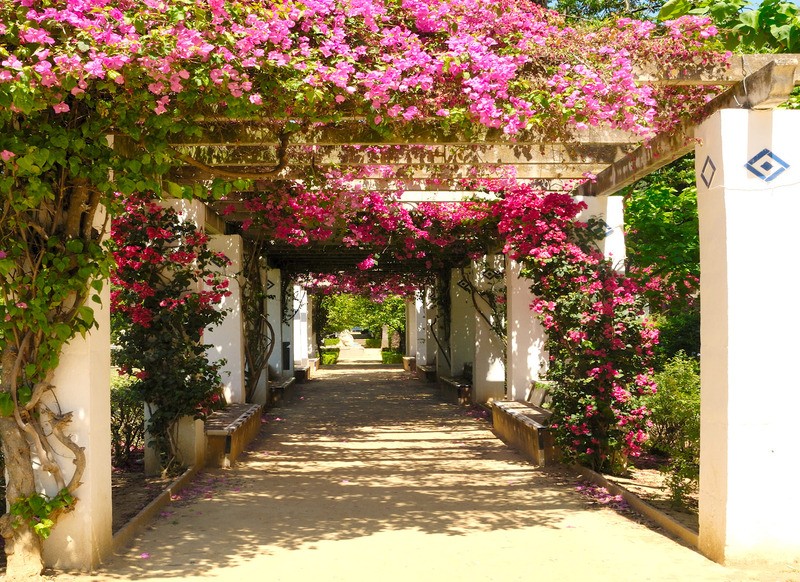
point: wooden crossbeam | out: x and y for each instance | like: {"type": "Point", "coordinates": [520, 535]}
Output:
{"type": "Point", "coordinates": [737, 68]}
{"type": "Point", "coordinates": [472, 155]}
{"type": "Point", "coordinates": [764, 89]}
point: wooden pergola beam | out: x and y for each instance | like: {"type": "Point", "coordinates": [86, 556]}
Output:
{"type": "Point", "coordinates": [471, 155]}
{"type": "Point", "coordinates": [764, 89]}
{"type": "Point", "coordinates": [737, 68]}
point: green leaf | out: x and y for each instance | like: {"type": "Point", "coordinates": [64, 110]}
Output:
{"type": "Point", "coordinates": [6, 404]}
{"type": "Point", "coordinates": [86, 315]}
{"type": "Point", "coordinates": [674, 9]}
{"type": "Point", "coordinates": [75, 246]}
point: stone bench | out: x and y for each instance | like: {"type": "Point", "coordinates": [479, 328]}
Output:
{"type": "Point", "coordinates": [276, 389]}
{"type": "Point", "coordinates": [525, 426]}
{"type": "Point", "coordinates": [457, 390]}
{"type": "Point", "coordinates": [427, 373]}
{"type": "Point", "coordinates": [229, 431]}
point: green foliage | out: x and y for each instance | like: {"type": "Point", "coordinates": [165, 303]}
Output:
{"type": "Point", "coordinates": [329, 356]}
{"type": "Point", "coordinates": [389, 356]}
{"type": "Point", "coordinates": [676, 423]}
{"type": "Point", "coordinates": [39, 511]}
{"type": "Point", "coordinates": [160, 316]}
{"type": "Point", "coordinates": [331, 341]}
{"type": "Point", "coordinates": [347, 311]}
{"type": "Point", "coordinates": [127, 420]}
{"type": "Point", "coordinates": [601, 9]}
{"type": "Point", "coordinates": [372, 342]}
{"type": "Point", "coordinates": [771, 26]}
{"type": "Point", "coordinates": [663, 254]}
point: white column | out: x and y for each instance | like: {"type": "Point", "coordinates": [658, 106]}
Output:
{"type": "Point", "coordinates": [82, 538]}
{"type": "Point", "coordinates": [300, 327]}
{"type": "Point", "coordinates": [489, 370]}
{"type": "Point", "coordinates": [411, 328]}
{"type": "Point", "coordinates": [748, 171]}
{"type": "Point", "coordinates": [421, 320]}
{"type": "Point", "coordinates": [609, 209]}
{"type": "Point", "coordinates": [227, 337]}
{"type": "Point", "coordinates": [526, 357]}
{"type": "Point", "coordinates": [274, 317]}
{"type": "Point", "coordinates": [462, 323]}
{"type": "Point", "coordinates": [287, 333]}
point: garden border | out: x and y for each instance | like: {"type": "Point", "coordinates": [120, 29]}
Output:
{"type": "Point", "coordinates": [642, 507]}
{"type": "Point", "coordinates": [122, 538]}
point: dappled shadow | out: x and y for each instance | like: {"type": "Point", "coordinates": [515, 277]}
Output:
{"type": "Point", "coordinates": [350, 455]}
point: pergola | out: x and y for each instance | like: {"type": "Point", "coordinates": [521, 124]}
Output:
{"type": "Point", "coordinates": [734, 202]}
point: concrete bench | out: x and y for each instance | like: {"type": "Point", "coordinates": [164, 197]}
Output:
{"type": "Point", "coordinates": [229, 431]}
{"type": "Point", "coordinates": [276, 389]}
{"type": "Point", "coordinates": [525, 426]}
{"type": "Point", "coordinates": [457, 390]}
{"type": "Point", "coordinates": [427, 373]}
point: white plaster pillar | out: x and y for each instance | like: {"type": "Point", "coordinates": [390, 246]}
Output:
{"type": "Point", "coordinates": [82, 538]}
{"type": "Point", "coordinates": [748, 180]}
{"type": "Point", "coordinates": [300, 327]}
{"type": "Point", "coordinates": [411, 328]}
{"type": "Point", "coordinates": [526, 359]}
{"type": "Point", "coordinates": [287, 333]}
{"type": "Point", "coordinates": [227, 337]}
{"type": "Point", "coordinates": [274, 317]}
{"type": "Point", "coordinates": [421, 321]}
{"type": "Point", "coordinates": [462, 323]}
{"type": "Point", "coordinates": [609, 209]}
{"type": "Point", "coordinates": [489, 369]}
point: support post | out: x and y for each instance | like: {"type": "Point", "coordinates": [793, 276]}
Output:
{"type": "Point", "coordinates": [609, 209]}
{"type": "Point", "coordinates": [748, 171]}
{"type": "Point", "coordinates": [274, 317]}
{"type": "Point", "coordinates": [526, 359]}
{"type": "Point", "coordinates": [82, 538]}
{"type": "Point", "coordinates": [300, 327]}
{"type": "Point", "coordinates": [489, 368]}
{"type": "Point", "coordinates": [227, 337]}
{"type": "Point", "coordinates": [462, 323]}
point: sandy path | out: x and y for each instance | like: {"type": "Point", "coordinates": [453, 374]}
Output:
{"type": "Point", "coordinates": [364, 475]}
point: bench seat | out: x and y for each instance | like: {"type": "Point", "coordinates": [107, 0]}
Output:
{"type": "Point", "coordinates": [455, 390]}
{"type": "Point", "coordinates": [525, 427]}
{"type": "Point", "coordinates": [229, 431]}
{"type": "Point", "coordinates": [427, 373]}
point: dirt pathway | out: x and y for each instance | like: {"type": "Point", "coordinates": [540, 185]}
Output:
{"type": "Point", "coordinates": [364, 475]}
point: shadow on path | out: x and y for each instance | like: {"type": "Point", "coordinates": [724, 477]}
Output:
{"type": "Point", "coordinates": [361, 469]}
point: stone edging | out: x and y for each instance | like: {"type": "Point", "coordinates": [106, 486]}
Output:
{"type": "Point", "coordinates": [125, 535]}
{"type": "Point", "coordinates": [677, 529]}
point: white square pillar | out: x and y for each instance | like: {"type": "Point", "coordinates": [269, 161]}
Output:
{"type": "Point", "coordinates": [748, 171]}
{"type": "Point", "coordinates": [421, 321]}
{"type": "Point", "coordinates": [609, 209]}
{"type": "Point", "coordinates": [82, 538]}
{"type": "Point", "coordinates": [227, 337]}
{"type": "Point", "coordinates": [411, 328]}
{"type": "Point", "coordinates": [462, 323]}
{"type": "Point", "coordinates": [300, 327]}
{"type": "Point", "coordinates": [526, 359]}
{"type": "Point", "coordinates": [489, 368]}
{"type": "Point", "coordinates": [274, 317]}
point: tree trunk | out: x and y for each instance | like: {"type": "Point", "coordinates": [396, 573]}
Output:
{"type": "Point", "coordinates": [23, 546]}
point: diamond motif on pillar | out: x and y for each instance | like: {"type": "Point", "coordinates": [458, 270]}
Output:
{"type": "Point", "coordinates": [766, 165]}
{"type": "Point", "coordinates": [707, 174]}
{"type": "Point", "coordinates": [464, 284]}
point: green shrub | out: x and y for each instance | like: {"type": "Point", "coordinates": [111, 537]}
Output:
{"type": "Point", "coordinates": [331, 341]}
{"type": "Point", "coordinates": [372, 342]}
{"type": "Point", "coordinates": [676, 424]}
{"type": "Point", "coordinates": [391, 356]}
{"type": "Point", "coordinates": [328, 356]}
{"type": "Point", "coordinates": [127, 420]}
